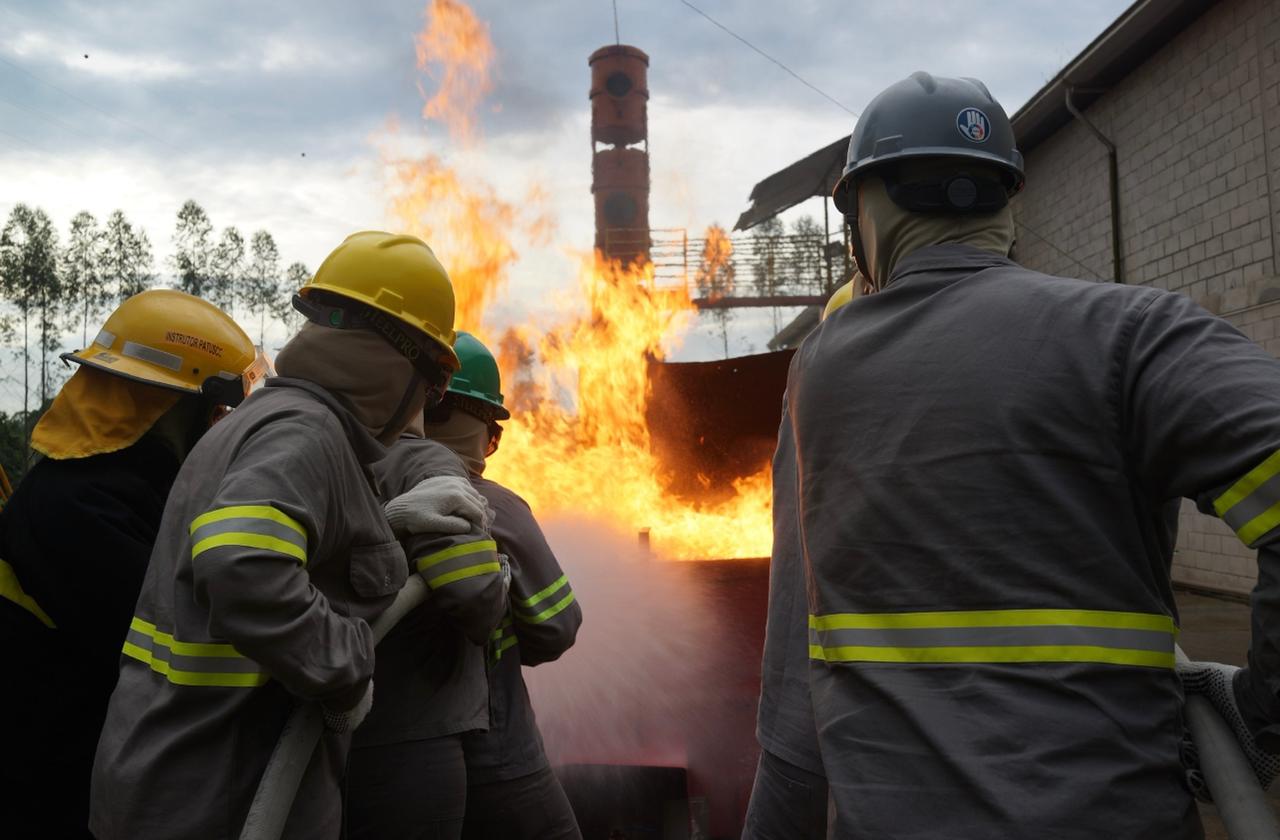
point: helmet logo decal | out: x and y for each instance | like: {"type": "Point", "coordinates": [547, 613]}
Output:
{"type": "Point", "coordinates": [973, 125]}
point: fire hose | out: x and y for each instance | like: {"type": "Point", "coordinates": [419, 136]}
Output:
{"type": "Point", "coordinates": [1240, 799]}
{"type": "Point", "coordinates": [280, 781]}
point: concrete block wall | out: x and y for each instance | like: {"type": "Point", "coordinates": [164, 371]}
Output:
{"type": "Point", "coordinates": [1197, 131]}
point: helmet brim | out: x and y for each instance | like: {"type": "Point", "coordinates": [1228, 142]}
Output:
{"type": "Point", "coordinates": [842, 195]}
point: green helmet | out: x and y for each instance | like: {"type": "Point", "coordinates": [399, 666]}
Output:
{"type": "Point", "coordinates": [478, 378]}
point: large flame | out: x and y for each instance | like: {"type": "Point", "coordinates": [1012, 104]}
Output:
{"type": "Point", "coordinates": [591, 455]}
{"type": "Point", "coordinates": [458, 43]}
{"type": "Point", "coordinates": [577, 442]}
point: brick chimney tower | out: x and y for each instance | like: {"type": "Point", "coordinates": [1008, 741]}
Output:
{"type": "Point", "coordinates": [620, 151]}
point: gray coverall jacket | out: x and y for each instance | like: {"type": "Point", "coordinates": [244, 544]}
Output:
{"type": "Point", "coordinates": [430, 675]}
{"type": "Point", "coordinates": [785, 725]}
{"type": "Point", "coordinates": [541, 625]}
{"type": "Point", "coordinates": [272, 555]}
{"type": "Point", "coordinates": [990, 462]}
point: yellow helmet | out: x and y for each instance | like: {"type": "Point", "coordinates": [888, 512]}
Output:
{"type": "Point", "coordinates": [177, 341]}
{"type": "Point", "coordinates": [840, 297]}
{"type": "Point", "coordinates": [398, 275]}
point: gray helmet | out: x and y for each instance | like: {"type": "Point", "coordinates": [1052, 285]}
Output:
{"type": "Point", "coordinates": [926, 116]}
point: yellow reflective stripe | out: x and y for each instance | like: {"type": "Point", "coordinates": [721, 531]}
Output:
{"type": "Point", "coordinates": [248, 512]}
{"type": "Point", "coordinates": [992, 618]}
{"type": "Point", "coordinates": [538, 596]}
{"type": "Point", "coordinates": [463, 573]}
{"type": "Point", "coordinates": [477, 547]}
{"type": "Point", "coordinates": [500, 644]}
{"type": "Point", "coordinates": [550, 612]}
{"type": "Point", "coordinates": [184, 648]}
{"type": "Point", "coordinates": [247, 540]}
{"type": "Point", "coordinates": [1259, 525]}
{"type": "Point", "coordinates": [193, 678]}
{"type": "Point", "coordinates": [981, 655]}
{"type": "Point", "coordinates": [11, 589]}
{"type": "Point", "coordinates": [187, 676]}
{"type": "Point", "coordinates": [1252, 480]}
{"type": "Point", "coordinates": [506, 622]}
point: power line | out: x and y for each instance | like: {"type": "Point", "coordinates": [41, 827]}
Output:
{"type": "Point", "coordinates": [21, 140]}
{"type": "Point", "coordinates": [796, 75]}
{"type": "Point", "coordinates": [42, 115]}
{"type": "Point", "coordinates": [87, 103]}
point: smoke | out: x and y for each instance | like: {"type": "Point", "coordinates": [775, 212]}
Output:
{"type": "Point", "coordinates": [642, 672]}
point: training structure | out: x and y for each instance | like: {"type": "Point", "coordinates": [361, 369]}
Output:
{"type": "Point", "coordinates": [620, 152]}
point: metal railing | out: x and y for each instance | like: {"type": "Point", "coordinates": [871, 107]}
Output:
{"type": "Point", "coordinates": [755, 269]}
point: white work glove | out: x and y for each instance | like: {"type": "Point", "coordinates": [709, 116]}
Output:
{"type": "Point", "coordinates": [443, 504]}
{"type": "Point", "coordinates": [505, 563]}
{"type": "Point", "coordinates": [1213, 680]}
{"type": "Point", "coordinates": [350, 720]}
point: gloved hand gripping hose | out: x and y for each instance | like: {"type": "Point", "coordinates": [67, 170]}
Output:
{"type": "Point", "coordinates": [274, 798]}
{"type": "Point", "coordinates": [442, 504]}
{"type": "Point", "coordinates": [1231, 778]}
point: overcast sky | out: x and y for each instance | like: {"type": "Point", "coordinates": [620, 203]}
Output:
{"type": "Point", "coordinates": [141, 105]}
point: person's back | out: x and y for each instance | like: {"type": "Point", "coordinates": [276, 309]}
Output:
{"type": "Point", "coordinates": [511, 791]}
{"type": "Point", "coordinates": [407, 775]}
{"type": "Point", "coordinates": [789, 795]}
{"type": "Point", "coordinates": [273, 555]}
{"type": "Point", "coordinates": [239, 627]}
{"type": "Point", "coordinates": [76, 537]}
{"type": "Point", "coordinates": [988, 527]}
{"type": "Point", "coordinates": [85, 576]}
{"type": "Point", "coordinates": [995, 472]}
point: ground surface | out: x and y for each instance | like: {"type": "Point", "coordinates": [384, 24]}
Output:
{"type": "Point", "coordinates": [1217, 630]}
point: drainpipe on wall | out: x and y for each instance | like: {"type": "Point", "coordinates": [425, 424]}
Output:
{"type": "Point", "coordinates": [1117, 256]}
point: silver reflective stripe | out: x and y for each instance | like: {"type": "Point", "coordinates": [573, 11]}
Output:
{"type": "Point", "coordinates": [249, 525]}
{"type": "Point", "coordinates": [995, 636]}
{"type": "Point", "coordinates": [458, 562]}
{"type": "Point", "coordinates": [191, 663]}
{"type": "Point", "coordinates": [545, 604]}
{"type": "Point", "coordinates": [1254, 507]}
{"type": "Point", "coordinates": [1058, 636]}
{"type": "Point", "coordinates": [106, 339]}
{"type": "Point", "coordinates": [235, 664]}
{"type": "Point", "coordinates": [143, 353]}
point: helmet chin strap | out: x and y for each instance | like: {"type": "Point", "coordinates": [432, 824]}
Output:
{"type": "Point", "coordinates": [400, 418]}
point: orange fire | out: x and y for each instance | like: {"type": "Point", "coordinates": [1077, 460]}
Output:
{"type": "Point", "coordinates": [457, 41]}
{"type": "Point", "coordinates": [577, 442]}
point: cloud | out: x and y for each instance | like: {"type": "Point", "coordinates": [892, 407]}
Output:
{"type": "Point", "coordinates": [99, 61]}
{"type": "Point", "coordinates": [219, 101]}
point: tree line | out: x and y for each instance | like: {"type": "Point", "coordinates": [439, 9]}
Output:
{"type": "Point", "coordinates": [54, 286]}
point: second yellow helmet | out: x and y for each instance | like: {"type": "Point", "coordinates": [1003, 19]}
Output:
{"type": "Point", "coordinates": [395, 274]}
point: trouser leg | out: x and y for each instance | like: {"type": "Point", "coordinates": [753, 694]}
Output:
{"type": "Point", "coordinates": [532, 807]}
{"type": "Point", "coordinates": [787, 802]}
{"type": "Point", "coordinates": [416, 790]}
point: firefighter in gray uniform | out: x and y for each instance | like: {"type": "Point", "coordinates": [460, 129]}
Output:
{"type": "Point", "coordinates": [273, 554]}
{"type": "Point", "coordinates": [987, 529]}
{"type": "Point", "coordinates": [408, 775]}
{"type": "Point", "coordinates": [789, 797]}
{"type": "Point", "coordinates": [511, 791]}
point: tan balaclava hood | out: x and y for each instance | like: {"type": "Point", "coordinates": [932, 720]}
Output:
{"type": "Point", "coordinates": [466, 434]}
{"type": "Point", "coordinates": [375, 382]}
{"type": "Point", "coordinates": [890, 233]}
